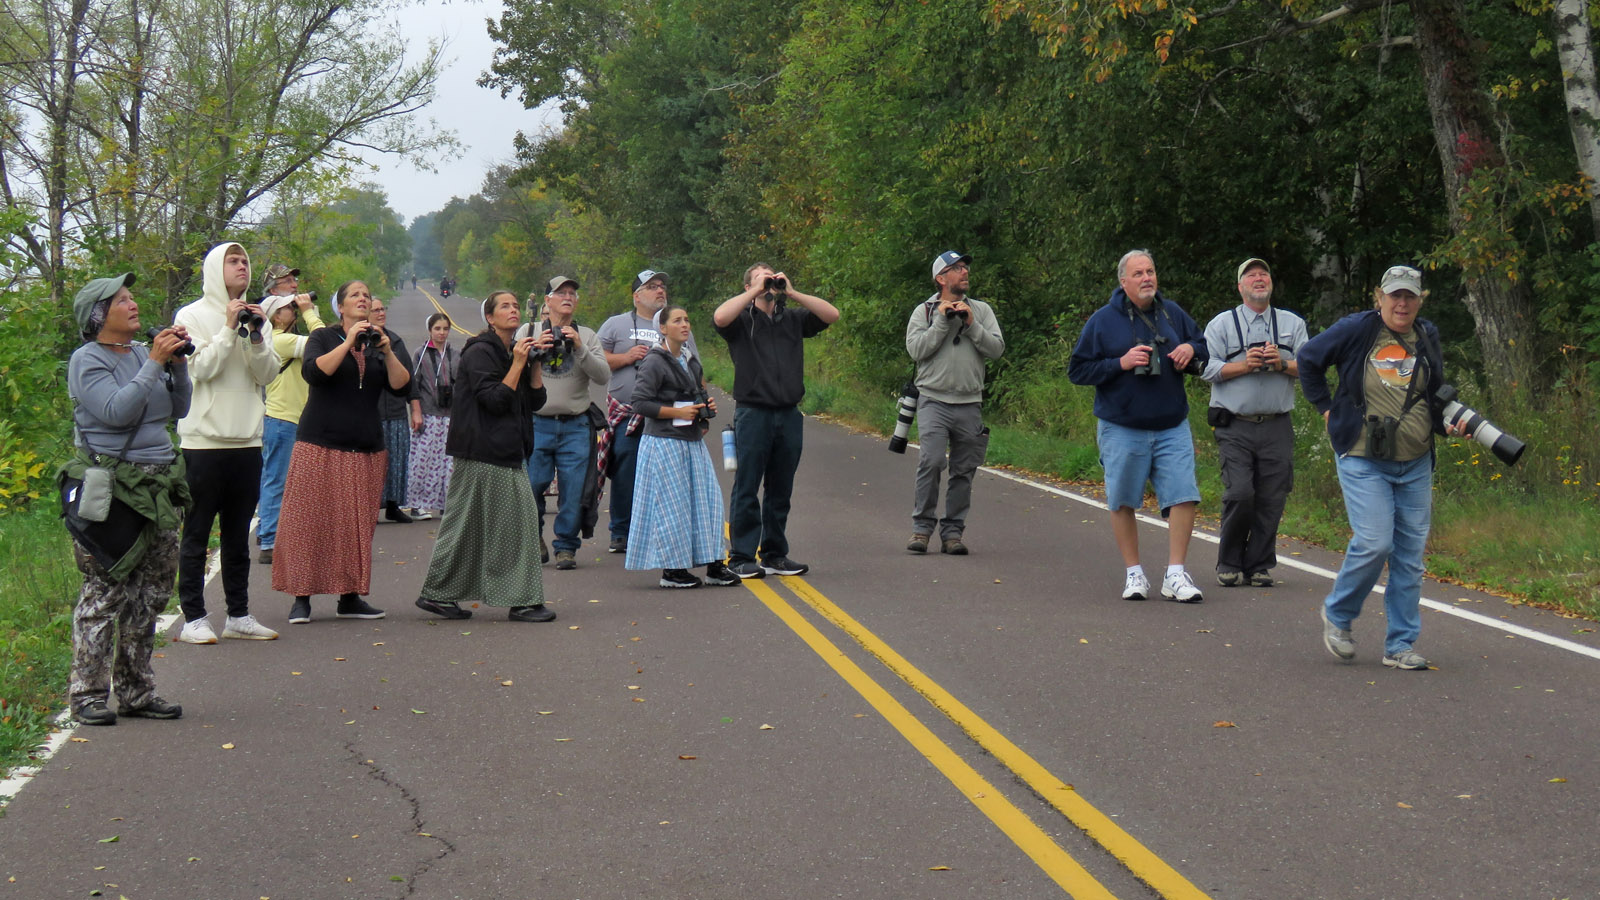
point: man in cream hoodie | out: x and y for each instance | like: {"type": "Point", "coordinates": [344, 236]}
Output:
{"type": "Point", "coordinates": [221, 441]}
{"type": "Point", "coordinates": [949, 337]}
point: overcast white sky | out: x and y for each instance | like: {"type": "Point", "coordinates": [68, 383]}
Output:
{"type": "Point", "coordinates": [484, 123]}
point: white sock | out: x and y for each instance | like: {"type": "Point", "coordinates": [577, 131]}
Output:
{"type": "Point", "coordinates": [1174, 569]}
{"type": "Point", "coordinates": [1136, 570]}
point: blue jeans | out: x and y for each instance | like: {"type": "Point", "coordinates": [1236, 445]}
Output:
{"type": "Point", "coordinates": [277, 443]}
{"type": "Point", "coordinates": [1390, 506]}
{"type": "Point", "coordinates": [768, 444]}
{"type": "Point", "coordinates": [624, 459]}
{"type": "Point", "coordinates": [560, 451]}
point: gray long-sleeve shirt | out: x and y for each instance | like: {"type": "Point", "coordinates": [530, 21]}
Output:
{"type": "Point", "coordinates": [1259, 393]}
{"type": "Point", "coordinates": [949, 353]}
{"type": "Point", "coordinates": [113, 393]}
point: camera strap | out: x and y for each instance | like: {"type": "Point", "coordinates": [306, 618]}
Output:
{"type": "Point", "coordinates": [1418, 372]}
{"type": "Point", "coordinates": [1238, 330]}
{"type": "Point", "coordinates": [1155, 334]}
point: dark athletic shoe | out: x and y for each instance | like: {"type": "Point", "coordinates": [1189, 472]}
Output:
{"type": "Point", "coordinates": [1231, 579]}
{"type": "Point", "coordinates": [95, 713]}
{"type": "Point", "coordinates": [300, 611]}
{"type": "Point", "coordinates": [717, 575]}
{"type": "Point", "coordinates": [157, 708]}
{"type": "Point", "coordinates": [396, 514]}
{"type": "Point", "coordinates": [747, 569]}
{"type": "Point", "coordinates": [678, 578]}
{"type": "Point", "coordinates": [1261, 579]}
{"type": "Point", "coordinates": [783, 565]}
{"type": "Point", "coordinates": [538, 613]}
{"type": "Point", "coordinates": [351, 606]}
{"type": "Point", "coordinates": [445, 610]}
{"type": "Point", "coordinates": [618, 545]}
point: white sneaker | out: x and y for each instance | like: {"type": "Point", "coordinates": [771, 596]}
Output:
{"type": "Point", "coordinates": [420, 514]}
{"type": "Point", "coordinates": [197, 632]}
{"type": "Point", "coordinates": [1137, 587]}
{"type": "Point", "coordinates": [1180, 587]}
{"type": "Point", "coordinates": [246, 628]}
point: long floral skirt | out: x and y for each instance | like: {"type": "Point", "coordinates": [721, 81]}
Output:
{"type": "Point", "coordinates": [430, 465]}
{"type": "Point", "coordinates": [330, 508]}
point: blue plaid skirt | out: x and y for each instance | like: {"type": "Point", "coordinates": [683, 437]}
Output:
{"type": "Point", "coordinates": [677, 506]}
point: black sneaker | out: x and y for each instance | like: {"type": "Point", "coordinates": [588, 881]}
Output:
{"type": "Point", "coordinates": [396, 514]}
{"type": "Point", "coordinates": [300, 611]}
{"type": "Point", "coordinates": [157, 708]}
{"type": "Point", "coordinates": [783, 565]}
{"type": "Point", "coordinates": [1262, 578]}
{"type": "Point", "coordinates": [351, 606]}
{"type": "Point", "coordinates": [618, 545]}
{"type": "Point", "coordinates": [746, 569]}
{"type": "Point", "coordinates": [678, 578]}
{"type": "Point", "coordinates": [717, 575]}
{"type": "Point", "coordinates": [447, 610]}
{"type": "Point", "coordinates": [537, 613]}
{"type": "Point", "coordinates": [265, 558]}
{"type": "Point", "coordinates": [95, 713]}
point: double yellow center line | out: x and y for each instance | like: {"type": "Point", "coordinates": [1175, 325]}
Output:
{"type": "Point", "coordinates": [453, 325]}
{"type": "Point", "coordinates": [1028, 836]}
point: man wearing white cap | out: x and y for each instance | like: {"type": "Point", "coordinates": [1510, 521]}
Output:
{"type": "Point", "coordinates": [1252, 371]}
{"type": "Point", "coordinates": [950, 337]}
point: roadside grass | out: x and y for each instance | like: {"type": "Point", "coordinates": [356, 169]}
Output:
{"type": "Point", "coordinates": [1514, 532]}
{"type": "Point", "coordinates": [38, 588]}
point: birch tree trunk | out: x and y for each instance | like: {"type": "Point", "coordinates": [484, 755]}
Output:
{"type": "Point", "coordinates": [1575, 50]}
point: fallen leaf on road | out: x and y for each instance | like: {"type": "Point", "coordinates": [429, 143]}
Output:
{"type": "Point", "coordinates": [351, 722]}
{"type": "Point", "coordinates": [1405, 806]}
{"type": "Point", "coordinates": [338, 659]}
{"type": "Point", "coordinates": [547, 712]}
{"type": "Point", "coordinates": [635, 639]}
{"type": "Point", "coordinates": [227, 746]}
{"type": "Point", "coordinates": [506, 683]}
{"type": "Point", "coordinates": [997, 581]}
{"type": "Point", "coordinates": [354, 836]}
{"type": "Point", "coordinates": [663, 823]}
{"type": "Point", "coordinates": [465, 633]}
{"type": "Point", "coordinates": [377, 643]}
{"type": "Point", "coordinates": [688, 757]}
{"type": "Point", "coordinates": [938, 868]}
{"type": "Point", "coordinates": [572, 627]}
{"type": "Point", "coordinates": [562, 740]}
{"type": "Point", "coordinates": [1202, 631]}
{"type": "Point", "coordinates": [1083, 640]}
{"type": "Point", "coordinates": [1463, 796]}
{"type": "Point", "coordinates": [765, 728]}
{"type": "Point", "coordinates": [110, 840]}
{"type": "Point", "coordinates": [419, 712]}
{"type": "Point", "coordinates": [1223, 725]}
{"type": "Point", "coordinates": [638, 699]}
{"type": "Point", "coordinates": [1557, 781]}
{"type": "Point", "coordinates": [161, 656]}
{"type": "Point", "coordinates": [294, 673]}
{"type": "Point", "coordinates": [80, 740]}
{"type": "Point", "coordinates": [633, 687]}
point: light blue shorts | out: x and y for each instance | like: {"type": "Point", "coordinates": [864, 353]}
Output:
{"type": "Point", "coordinates": [1133, 456]}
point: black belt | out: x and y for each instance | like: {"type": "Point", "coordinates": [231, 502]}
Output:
{"type": "Point", "coordinates": [566, 417]}
{"type": "Point", "coordinates": [1264, 417]}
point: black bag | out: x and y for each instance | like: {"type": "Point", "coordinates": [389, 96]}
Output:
{"type": "Point", "coordinates": [109, 541]}
{"type": "Point", "coordinates": [1219, 416]}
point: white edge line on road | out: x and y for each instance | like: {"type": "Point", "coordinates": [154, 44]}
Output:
{"type": "Point", "coordinates": [1439, 606]}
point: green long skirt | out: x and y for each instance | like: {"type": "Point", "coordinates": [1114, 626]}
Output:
{"type": "Point", "coordinates": [488, 547]}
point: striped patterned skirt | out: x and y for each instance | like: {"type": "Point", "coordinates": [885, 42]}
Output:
{"type": "Point", "coordinates": [330, 508]}
{"type": "Point", "coordinates": [488, 547]}
{"type": "Point", "coordinates": [397, 440]}
{"type": "Point", "coordinates": [677, 506]}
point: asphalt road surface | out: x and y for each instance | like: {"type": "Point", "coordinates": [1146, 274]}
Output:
{"type": "Point", "coordinates": [888, 726]}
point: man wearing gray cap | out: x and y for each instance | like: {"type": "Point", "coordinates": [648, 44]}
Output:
{"type": "Point", "coordinates": [570, 359]}
{"type": "Point", "coordinates": [949, 337]}
{"type": "Point", "coordinates": [1252, 371]}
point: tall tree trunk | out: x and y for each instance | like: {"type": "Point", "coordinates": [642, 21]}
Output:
{"type": "Point", "coordinates": [60, 106]}
{"type": "Point", "coordinates": [1463, 131]}
{"type": "Point", "coordinates": [1575, 50]}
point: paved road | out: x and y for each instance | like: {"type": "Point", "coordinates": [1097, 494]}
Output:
{"type": "Point", "coordinates": [888, 726]}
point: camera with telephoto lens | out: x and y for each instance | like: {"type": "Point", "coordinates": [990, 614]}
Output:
{"type": "Point", "coordinates": [250, 325]}
{"type": "Point", "coordinates": [906, 413]}
{"type": "Point", "coordinates": [1504, 446]}
{"type": "Point", "coordinates": [704, 413]}
{"type": "Point", "coordinates": [185, 349]}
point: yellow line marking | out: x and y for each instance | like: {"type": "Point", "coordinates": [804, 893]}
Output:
{"type": "Point", "coordinates": [1040, 847]}
{"type": "Point", "coordinates": [453, 325]}
{"type": "Point", "coordinates": [1139, 860]}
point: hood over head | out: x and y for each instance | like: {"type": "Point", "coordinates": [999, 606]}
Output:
{"type": "Point", "coordinates": [213, 288]}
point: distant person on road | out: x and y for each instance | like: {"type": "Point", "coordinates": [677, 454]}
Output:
{"type": "Point", "coordinates": [401, 415]}
{"type": "Point", "coordinates": [487, 550]}
{"type": "Point", "coordinates": [625, 339]}
{"type": "Point", "coordinates": [123, 395]}
{"type": "Point", "coordinates": [1252, 371]}
{"type": "Point", "coordinates": [950, 336]}
{"type": "Point", "coordinates": [436, 372]}
{"type": "Point", "coordinates": [766, 341]}
{"type": "Point", "coordinates": [1135, 351]}
{"type": "Point", "coordinates": [221, 441]}
{"type": "Point", "coordinates": [570, 360]}
{"type": "Point", "coordinates": [413, 282]}
{"type": "Point", "coordinates": [1381, 420]}
{"type": "Point", "coordinates": [283, 305]}
{"type": "Point", "coordinates": [677, 510]}
{"type": "Point", "coordinates": [336, 472]}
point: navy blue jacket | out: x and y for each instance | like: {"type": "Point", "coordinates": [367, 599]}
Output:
{"type": "Point", "coordinates": [1151, 403]}
{"type": "Point", "coordinates": [1346, 346]}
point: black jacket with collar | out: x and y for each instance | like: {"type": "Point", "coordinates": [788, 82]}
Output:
{"type": "Point", "coordinates": [490, 422]}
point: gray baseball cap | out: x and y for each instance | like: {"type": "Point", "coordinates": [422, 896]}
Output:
{"type": "Point", "coordinates": [557, 282]}
{"type": "Point", "coordinates": [1402, 278]}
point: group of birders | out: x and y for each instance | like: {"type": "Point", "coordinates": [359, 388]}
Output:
{"type": "Point", "coordinates": [315, 430]}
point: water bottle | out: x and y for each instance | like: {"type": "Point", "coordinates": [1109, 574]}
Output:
{"type": "Point", "coordinates": [730, 459]}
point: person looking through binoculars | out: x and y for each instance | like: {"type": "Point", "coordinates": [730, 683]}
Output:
{"type": "Point", "coordinates": [1135, 351]}
{"type": "Point", "coordinates": [283, 306]}
{"type": "Point", "coordinates": [950, 336]}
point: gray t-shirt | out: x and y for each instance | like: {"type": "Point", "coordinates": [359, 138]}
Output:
{"type": "Point", "coordinates": [622, 333]}
{"type": "Point", "coordinates": [114, 392]}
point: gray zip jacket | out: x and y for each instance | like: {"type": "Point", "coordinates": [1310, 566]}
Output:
{"type": "Point", "coordinates": [950, 353]}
